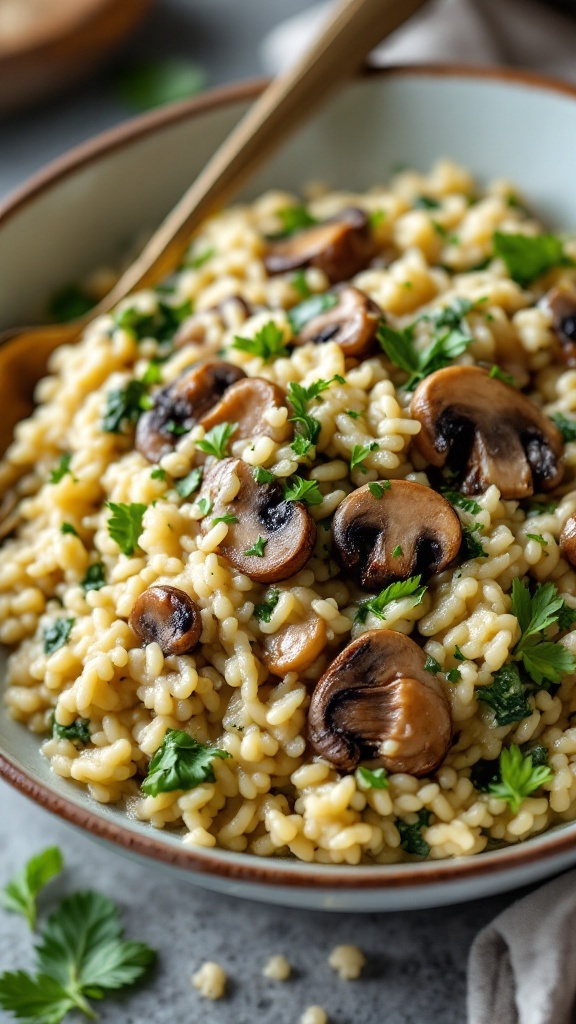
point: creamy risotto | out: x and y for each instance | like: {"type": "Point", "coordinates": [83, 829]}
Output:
{"type": "Point", "coordinates": [291, 564]}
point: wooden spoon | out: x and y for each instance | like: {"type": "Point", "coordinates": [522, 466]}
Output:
{"type": "Point", "coordinates": [355, 28]}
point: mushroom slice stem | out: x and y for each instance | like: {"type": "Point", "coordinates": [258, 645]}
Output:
{"type": "Point", "coordinates": [377, 701]}
{"type": "Point", "coordinates": [410, 530]}
{"type": "Point", "coordinates": [352, 323]}
{"type": "Point", "coordinates": [283, 531]}
{"type": "Point", "coordinates": [296, 646]}
{"type": "Point", "coordinates": [181, 404]}
{"type": "Point", "coordinates": [568, 541]}
{"type": "Point", "coordinates": [488, 430]}
{"type": "Point", "coordinates": [561, 302]}
{"type": "Point", "coordinates": [169, 617]}
{"type": "Point", "coordinates": [341, 247]}
{"type": "Point", "coordinates": [248, 403]}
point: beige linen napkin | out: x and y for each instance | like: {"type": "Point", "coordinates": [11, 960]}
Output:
{"type": "Point", "coordinates": [522, 967]}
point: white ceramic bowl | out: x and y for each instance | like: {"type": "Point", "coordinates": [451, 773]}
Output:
{"type": "Point", "coordinates": [84, 208]}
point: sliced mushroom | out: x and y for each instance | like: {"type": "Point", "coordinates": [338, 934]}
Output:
{"type": "Point", "coordinates": [352, 323]}
{"type": "Point", "coordinates": [295, 647]}
{"type": "Point", "coordinates": [181, 404]}
{"type": "Point", "coordinates": [377, 700]}
{"type": "Point", "coordinates": [341, 247]}
{"type": "Point", "coordinates": [247, 403]}
{"type": "Point", "coordinates": [411, 529]}
{"type": "Point", "coordinates": [568, 541]}
{"type": "Point", "coordinates": [562, 304]}
{"type": "Point", "coordinates": [489, 431]}
{"type": "Point", "coordinates": [283, 530]}
{"type": "Point", "coordinates": [168, 617]}
{"type": "Point", "coordinates": [225, 315]}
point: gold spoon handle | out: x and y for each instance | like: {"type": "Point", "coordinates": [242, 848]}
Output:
{"type": "Point", "coordinates": [354, 29]}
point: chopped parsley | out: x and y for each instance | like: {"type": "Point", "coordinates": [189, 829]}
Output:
{"type": "Point", "coordinates": [377, 489]}
{"type": "Point", "coordinates": [458, 654]}
{"type": "Point", "coordinates": [95, 578]}
{"type": "Point", "coordinates": [189, 484]}
{"type": "Point", "coordinates": [397, 552]}
{"type": "Point", "coordinates": [68, 528]}
{"type": "Point", "coordinates": [471, 542]}
{"type": "Point", "coordinates": [393, 592]}
{"type": "Point", "coordinates": [124, 406]}
{"type": "Point", "coordinates": [538, 537]}
{"type": "Point", "coordinates": [308, 427]}
{"type": "Point", "coordinates": [566, 426]}
{"type": "Point", "coordinates": [506, 378]}
{"type": "Point", "coordinates": [257, 548]}
{"type": "Point", "coordinates": [263, 476]}
{"type": "Point", "coordinates": [158, 473]}
{"type": "Point", "coordinates": [308, 491]}
{"type": "Point", "coordinates": [78, 732]}
{"type": "Point", "coordinates": [199, 259]}
{"type": "Point", "coordinates": [376, 217]}
{"type": "Point", "coordinates": [215, 442]}
{"type": "Point", "coordinates": [519, 777]}
{"type": "Point", "coordinates": [312, 307]}
{"type": "Point", "coordinates": [529, 256]}
{"type": "Point", "coordinates": [125, 524]}
{"type": "Point", "coordinates": [411, 838]}
{"type": "Point", "coordinates": [263, 612]}
{"type": "Point", "coordinates": [69, 303]}
{"type": "Point", "coordinates": [177, 429]}
{"type": "Point", "coordinates": [300, 284]}
{"type": "Point", "coordinates": [267, 343]}
{"type": "Point", "coordinates": [361, 452]}
{"type": "Point", "coordinates": [19, 895]}
{"type": "Point", "coordinates": [353, 415]}
{"type": "Point", "coordinates": [431, 665]}
{"type": "Point", "coordinates": [293, 219]}
{"type": "Point", "coordinates": [63, 467]}
{"type": "Point", "coordinates": [374, 779]}
{"type": "Point", "coordinates": [451, 339]}
{"type": "Point", "coordinates": [454, 675]}
{"type": "Point", "coordinates": [181, 762]}
{"type": "Point", "coordinates": [540, 508]}
{"type": "Point", "coordinates": [205, 506]}
{"type": "Point", "coordinates": [161, 325]}
{"type": "Point", "coordinates": [425, 203]}
{"type": "Point", "coordinates": [226, 518]}
{"type": "Point", "coordinates": [506, 695]}
{"type": "Point", "coordinates": [57, 634]}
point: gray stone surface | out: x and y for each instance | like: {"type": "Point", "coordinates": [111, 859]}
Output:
{"type": "Point", "coordinates": [417, 960]}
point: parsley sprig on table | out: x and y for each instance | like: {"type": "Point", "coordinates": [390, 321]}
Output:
{"type": "Point", "coordinates": [451, 338]}
{"type": "Point", "coordinates": [394, 592]}
{"type": "Point", "coordinates": [267, 343]}
{"type": "Point", "coordinates": [181, 762]}
{"type": "Point", "coordinates": [19, 895]}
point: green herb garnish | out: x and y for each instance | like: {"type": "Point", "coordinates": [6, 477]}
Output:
{"type": "Point", "coordinates": [57, 634]}
{"type": "Point", "coordinates": [69, 303]}
{"type": "Point", "coordinates": [375, 779]}
{"type": "Point", "coordinates": [305, 311]}
{"type": "Point", "coordinates": [263, 612]}
{"type": "Point", "coordinates": [125, 524]}
{"type": "Point", "coordinates": [263, 476]}
{"type": "Point", "coordinates": [519, 777]}
{"type": "Point", "coordinates": [411, 838]}
{"type": "Point", "coordinates": [267, 343]}
{"type": "Point", "coordinates": [393, 592]}
{"type": "Point", "coordinates": [295, 218]}
{"type": "Point", "coordinates": [566, 426]}
{"type": "Point", "coordinates": [181, 762]}
{"type": "Point", "coordinates": [78, 732]}
{"type": "Point", "coordinates": [506, 695]}
{"type": "Point", "coordinates": [257, 548]}
{"type": "Point", "coordinates": [529, 256]}
{"type": "Point", "coordinates": [215, 441]}
{"type": "Point", "coordinates": [95, 578]}
{"type": "Point", "coordinates": [361, 452]}
{"type": "Point", "coordinates": [68, 528]}
{"type": "Point", "coordinates": [63, 467]}
{"type": "Point", "coordinates": [189, 484]}
{"type": "Point", "coordinates": [297, 489]}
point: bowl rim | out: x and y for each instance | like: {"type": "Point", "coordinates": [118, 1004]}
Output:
{"type": "Point", "coordinates": [242, 867]}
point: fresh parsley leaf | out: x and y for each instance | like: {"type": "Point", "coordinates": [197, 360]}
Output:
{"type": "Point", "coordinates": [152, 374]}
{"type": "Point", "coordinates": [534, 612]}
{"type": "Point", "coordinates": [263, 476]}
{"type": "Point", "coordinates": [529, 256]}
{"type": "Point", "coordinates": [158, 473]}
{"type": "Point", "coordinates": [257, 548]}
{"type": "Point", "coordinates": [506, 378]}
{"type": "Point", "coordinates": [375, 779]}
{"type": "Point", "coordinates": [215, 441]}
{"type": "Point", "coordinates": [538, 537]}
{"type": "Point", "coordinates": [539, 753]}
{"type": "Point", "coordinates": [411, 838]}
{"type": "Point", "coordinates": [461, 501]}
{"type": "Point", "coordinates": [297, 489]}
{"type": "Point", "coordinates": [295, 218]}
{"type": "Point", "coordinates": [301, 445]}
{"type": "Point", "coordinates": [177, 429]}
{"type": "Point", "coordinates": [125, 524]}
{"type": "Point", "coordinates": [78, 732]}
{"type": "Point", "coordinates": [483, 773]}
{"type": "Point", "coordinates": [566, 426]}
{"type": "Point", "coordinates": [397, 552]}
{"type": "Point", "coordinates": [377, 490]}
{"type": "Point", "coordinates": [56, 634]}
{"type": "Point", "coordinates": [68, 528]}
{"type": "Point", "coordinates": [450, 316]}
{"type": "Point", "coordinates": [454, 675]}
{"type": "Point", "coordinates": [353, 415]}
{"type": "Point", "coordinates": [153, 83]}
{"type": "Point", "coordinates": [205, 506]}
{"type": "Point", "coordinates": [376, 217]}
{"type": "Point", "coordinates": [472, 544]}
{"type": "Point", "coordinates": [124, 406]}
{"type": "Point", "coordinates": [361, 452]}
{"type": "Point", "coordinates": [267, 343]}
{"type": "Point", "coordinates": [519, 777]}
{"type": "Point", "coordinates": [449, 342]}
{"type": "Point", "coordinates": [305, 311]}
{"type": "Point", "coordinates": [298, 396]}
{"type": "Point", "coordinates": [181, 762]}
{"type": "Point", "coordinates": [544, 660]}
{"type": "Point", "coordinates": [393, 592]}
{"type": "Point", "coordinates": [540, 508]}
{"type": "Point", "coordinates": [506, 695]}
{"type": "Point", "coordinates": [547, 662]}
{"type": "Point", "coordinates": [226, 518]}
{"type": "Point", "coordinates": [161, 325]}
{"type": "Point", "coordinates": [69, 303]}
{"type": "Point", "coordinates": [189, 484]}
{"type": "Point", "coordinates": [431, 665]}
{"type": "Point", "coordinates": [95, 577]}
{"type": "Point", "coordinates": [62, 469]}
{"type": "Point", "coordinates": [425, 203]}
{"type": "Point", "coordinates": [19, 895]}
{"type": "Point", "coordinates": [300, 284]}
{"type": "Point", "coordinates": [199, 259]}
{"type": "Point", "coordinates": [458, 654]}
{"type": "Point", "coordinates": [263, 612]}
{"type": "Point", "coordinates": [566, 616]}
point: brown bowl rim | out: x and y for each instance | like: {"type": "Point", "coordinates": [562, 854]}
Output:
{"type": "Point", "coordinates": [246, 867]}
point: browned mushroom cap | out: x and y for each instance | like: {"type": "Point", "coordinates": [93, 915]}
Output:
{"type": "Point", "coordinates": [352, 323]}
{"type": "Point", "coordinates": [341, 247]}
{"type": "Point", "coordinates": [568, 540]}
{"type": "Point", "coordinates": [181, 404]}
{"type": "Point", "coordinates": [246, 404]}
{"type": "Point", "coordinates": [295, 647]}
{"type": "Point", "coordinates": [562, 304]}
{"type": "Point", "coordinates": [411, 529]}
{"type": "Point", "coordinates": [378, 701]}
{"type": "Point", "coordinates": [168, 617]}
{"type": "Point", "coordinates": [488, 430]}
{"type": "Point", "coordinates": [283, 530]}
